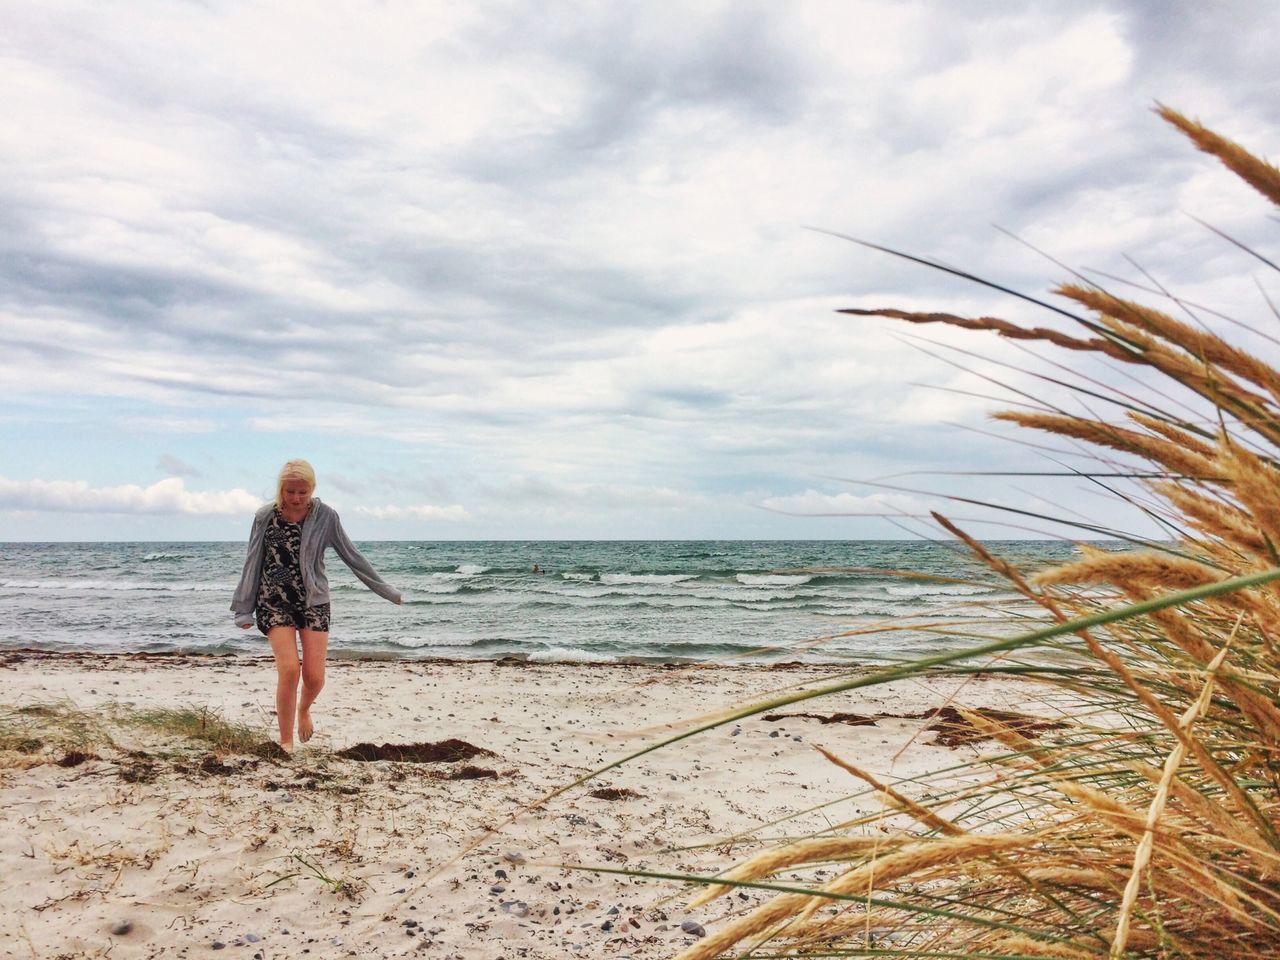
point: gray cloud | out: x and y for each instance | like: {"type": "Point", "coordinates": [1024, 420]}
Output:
{"type": "Point", "coordinates": [176, 466]}
{"type": "Point", "coordinates": [566, 244]}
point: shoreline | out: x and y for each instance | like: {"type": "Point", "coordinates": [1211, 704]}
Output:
{"type": "Point", "coordinates": [509, 659]}
{"type": "Point", "coordinates": [181, 846]}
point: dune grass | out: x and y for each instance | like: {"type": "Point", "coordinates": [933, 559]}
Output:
{"type": "Point", "coordinates": [1151, 827]}
{"type": "Point", "coordinates": [49, 731]}
{"type": "Point", "coordinates": [202, 725]}
{"type": "Point", "coordinates": [29, 731]}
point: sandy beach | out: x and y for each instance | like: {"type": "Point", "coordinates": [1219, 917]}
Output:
{"type": "Point", "coordinates": [143, 843]}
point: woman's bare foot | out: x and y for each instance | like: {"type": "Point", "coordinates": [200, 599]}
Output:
{"type": "Point", "coordinates": [287, 748]}
{"type": "Point", "coordinates": [305, 727]}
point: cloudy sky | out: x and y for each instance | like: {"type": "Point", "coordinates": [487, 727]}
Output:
{"type": "Point", "coordinates": [545, 270]}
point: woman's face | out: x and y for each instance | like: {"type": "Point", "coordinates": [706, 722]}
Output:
{"type": "Point", "coordinates": [297, 494]}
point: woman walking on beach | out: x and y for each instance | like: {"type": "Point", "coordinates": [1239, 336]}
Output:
{"type": "Point", "coordinates": [284, 583]}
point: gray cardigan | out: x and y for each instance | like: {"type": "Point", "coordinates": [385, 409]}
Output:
{"type": "Point", "coordinates": [321, 529]}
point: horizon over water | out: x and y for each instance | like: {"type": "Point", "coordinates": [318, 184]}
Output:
{"type": "Point", "coordinates": [593, 601]}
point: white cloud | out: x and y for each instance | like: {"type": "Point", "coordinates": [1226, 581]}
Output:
{"type": "Point", "coordinates": [454, 512]}
{"type": "Point", "coordinates": [167, 424]}
{"type": "Point", "coordinates": [816, 503]}
{"type": "Point", "coordinates": [168, 496]}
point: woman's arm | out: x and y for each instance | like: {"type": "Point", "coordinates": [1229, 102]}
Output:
{"type": "Point", "coordinates": [245, 598]}
{"type": "Point", "coordinates": [361, 567]}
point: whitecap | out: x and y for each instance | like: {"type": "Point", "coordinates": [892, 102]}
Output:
{"type": "Point", "coordinates": [937, 589]}
{"type": "Point", "coordinates": [569, 655]}
{"type": "Point", "coordinates": [646, 578]}
{"type": "Point", "coordinates": [772, 579]}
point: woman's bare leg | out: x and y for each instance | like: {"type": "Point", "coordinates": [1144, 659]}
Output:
{"type": "Point", "coordinates": [284, 645]}
{"type": "Point", "coordinates": [315, 647]}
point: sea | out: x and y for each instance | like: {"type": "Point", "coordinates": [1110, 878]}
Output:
{"type": "Point", "coordinates": [655, 601]}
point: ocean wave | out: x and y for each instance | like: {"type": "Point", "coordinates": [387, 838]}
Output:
{"type": "Point", "coordinates": [699, 590]}
{"type": "Point", "coordinates": [621, 600]}
{"type": "Point", "coordinates": [772, 579]}
{"type": "Point", "coordinates": [115, 585]}
{"type": "Point", "coordinates": [463, 571]}
{"type": "Point", "coordinates": [617, 579]}
{"type": "Point", "coordinates": [409, 641]}
{"type": "Point", "coordinates": [604, 592]}
{"type": "Point", "coordinates": [434, 589]}
{"type": "Point", "coordinates": [938, 589]}
{"type": "Point", "coordinates": [569, 655]}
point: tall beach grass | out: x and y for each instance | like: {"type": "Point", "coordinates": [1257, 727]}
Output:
{"type": "Point", "coordinates": [1150, 827]}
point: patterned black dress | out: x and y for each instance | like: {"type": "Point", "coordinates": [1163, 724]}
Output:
{"type": "Point", "coordinates": [282, 601]}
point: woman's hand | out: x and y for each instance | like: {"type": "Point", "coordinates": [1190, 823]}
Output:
{"type": "Point", "coordinates": [245, 626]}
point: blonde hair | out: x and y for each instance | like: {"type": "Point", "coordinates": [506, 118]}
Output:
{"type": "Point", "coordinates": [294, 470]}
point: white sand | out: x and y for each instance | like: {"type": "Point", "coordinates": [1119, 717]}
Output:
{"type": "Point", "coordinates": [186, 856]}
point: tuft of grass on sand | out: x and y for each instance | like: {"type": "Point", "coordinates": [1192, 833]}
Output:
{"type": "Point", "coordinates": [309, 867]}
{"type": "Point", "coordinates": [28, 733]}
{"type": "Point", "coordinates": [64, 734]}
{"type": "Point", "coordinates": [202, 725]}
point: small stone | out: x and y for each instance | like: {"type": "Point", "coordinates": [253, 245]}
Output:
{"type": "Point", "coordinates": [252, 937]}
{"type": "Point", "coordinates": [409, 874]}
{"type": "Point", "coordinates": [218, 945]}
{"type": "Point", "coordinates": [614, 911]}
{"type": "Point", "coordinates": [693, 927]}
{"type": "Point", "coordinates": [607, 926]}
{"type": "Point", "coordinates": [520, 909]}
{"type": "Point", "coordinates": [773, 733]}
{"type": "Point", "coordinates": [735, 731]}
{"type": "Point", "coordinates": [122, 928]}
{"type": "Point", "coordinates": [497, 888]}
{"type": "Point", "coordinates": [500, 874]}
{"type": "Point", "coordinates": [513, 856]}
